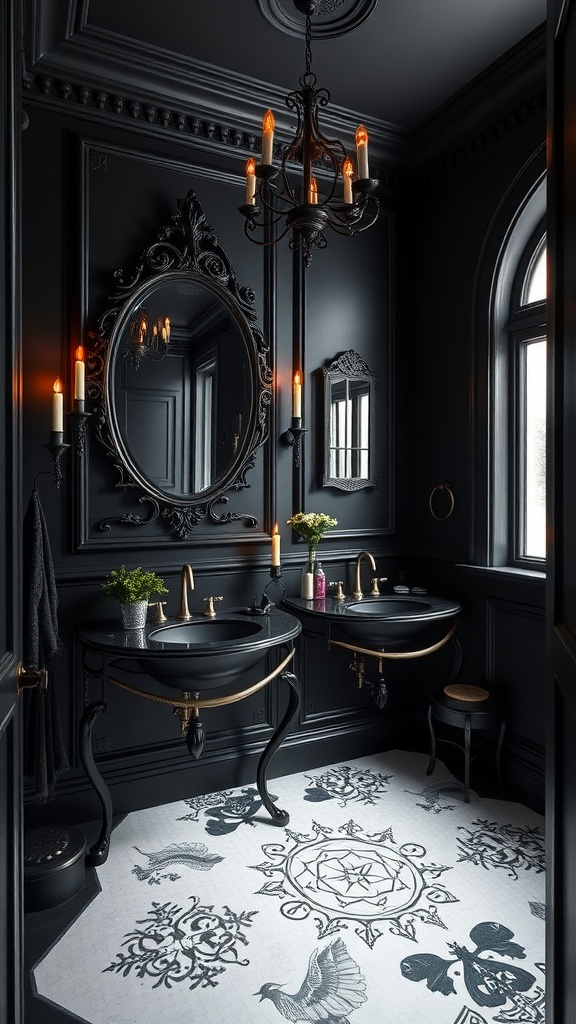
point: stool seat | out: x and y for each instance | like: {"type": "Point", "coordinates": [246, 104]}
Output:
{"type": "Point", "coordinates": [464, 692]}
{"type": "Point", "coordinates": [466, 707]}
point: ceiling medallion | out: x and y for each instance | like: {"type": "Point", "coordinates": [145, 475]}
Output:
{"type": "Point", "coordinates": [332, 17]}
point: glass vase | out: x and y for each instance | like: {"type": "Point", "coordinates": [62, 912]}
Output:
{"type": "Point", "coordinates": [307, 578]}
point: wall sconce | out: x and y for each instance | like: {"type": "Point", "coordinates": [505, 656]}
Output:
{"type": "Point", "coordinates": [78, 417]}
{"type": "Point", "coordinates": [293, 436]}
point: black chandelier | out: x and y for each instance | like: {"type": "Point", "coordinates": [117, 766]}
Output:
{"type": "Point", "coordinates": [148, 338]}
{"type": "Point", "coordinates": [347, 207]}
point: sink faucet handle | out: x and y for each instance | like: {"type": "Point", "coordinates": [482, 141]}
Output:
{"type": "Point", "coordinates": [375, 592]}
{"type": "Point", "coordinates": [158, 615]}
{"type": "Point", "coordinates": [209, 602]}
{"type": "Point", "coordinates": [339, 592]}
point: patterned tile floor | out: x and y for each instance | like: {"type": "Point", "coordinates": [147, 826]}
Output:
{"type": "Point", "coordinates": [385, 890]}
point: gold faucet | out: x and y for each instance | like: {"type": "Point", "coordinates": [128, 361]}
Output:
{"type": "Point", "coordinates": [357, 584]}
{"type": "Point", "coordinates": [186, 578]}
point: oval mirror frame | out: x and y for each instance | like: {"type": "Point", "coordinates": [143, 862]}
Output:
{"type": "Point", "coordinates": [186, 251]}
{"type": "Point", "coordinates": [349, 416]}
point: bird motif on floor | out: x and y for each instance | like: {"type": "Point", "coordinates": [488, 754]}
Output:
{"type": "Point", "coordinates": [332, 988]}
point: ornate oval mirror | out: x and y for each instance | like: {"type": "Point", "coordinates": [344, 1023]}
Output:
{"type": "Point", "coordinates": [349, 387]}
{"type": "Point", "coordinates": [180, 376]}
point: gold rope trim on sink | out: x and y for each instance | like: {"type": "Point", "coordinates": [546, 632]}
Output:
{"type": "Point", "coordinates": [206, 702]}
{"type": "Point", "coordinates": [398, 654]}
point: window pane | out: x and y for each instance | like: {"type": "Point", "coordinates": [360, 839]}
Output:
{"type": "Point", "coordinates": [534, 289]}
{"type": "Point", "coordinates": [535, 449]}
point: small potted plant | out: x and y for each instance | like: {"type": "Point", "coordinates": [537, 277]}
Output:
{"type": "Point", "coordinates": [133, 588]}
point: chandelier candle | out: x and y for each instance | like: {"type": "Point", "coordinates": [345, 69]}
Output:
{"type": "Point", "coordinates": [362, 152]}
{"type": "Point", "coordinates": [347, 175]}
{"type": "Point", "coordinates": [251, 182]}
{"type": "Point", "coordinates": [268, 123]}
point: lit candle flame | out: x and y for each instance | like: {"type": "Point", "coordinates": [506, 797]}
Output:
{"type": "Point", "coordinates": [268, 122]}
{"type": "Point", "coordinates": [361, 135]}
{"type": "Point", "coordinates": [80, 352]}
{"type": "Point", "coordinates": [57, 386]}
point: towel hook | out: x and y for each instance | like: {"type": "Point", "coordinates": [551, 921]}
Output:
{"type": "Point", "coordinates": [448, 489]}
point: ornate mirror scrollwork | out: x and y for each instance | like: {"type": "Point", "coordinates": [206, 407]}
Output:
{"type": "Point", "coordinates": [180, 378]}
{"type": "Point", "coordinates": [349, 409]}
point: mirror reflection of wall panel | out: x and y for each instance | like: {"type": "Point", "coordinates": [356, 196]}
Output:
{"type": "Point", "coordinates": [154, 404]}
{"type": "Point", "coordinates": [349, 387]}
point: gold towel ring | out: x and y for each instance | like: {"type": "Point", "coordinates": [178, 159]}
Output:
{"type": "Point", "coordinates": [441, 487]}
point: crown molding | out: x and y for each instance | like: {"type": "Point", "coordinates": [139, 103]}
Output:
{"type": "Point", "coordinates": [102, 63]}
{"type": "Point", "coordinates": [509, 93]}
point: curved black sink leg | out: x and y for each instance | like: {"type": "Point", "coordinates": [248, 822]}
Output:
{"type": "Point", "coordinates": [278, 816]}
{"type": "Point", "coordinates": [98, 853]}
{"type": "Point", "coordinates": [195, 737]}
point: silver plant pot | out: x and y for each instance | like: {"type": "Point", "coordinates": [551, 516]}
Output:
{"type": "Point", "coordinates": [134, 614]}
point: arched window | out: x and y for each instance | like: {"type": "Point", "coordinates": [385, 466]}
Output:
{"type": "Point", "coordinates": [518, 386]}
{"type": "Point", "coordinates": [528, 403]}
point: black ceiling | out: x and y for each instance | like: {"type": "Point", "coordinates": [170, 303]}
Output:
{"type": "Point", "coordinates": [398, 65]}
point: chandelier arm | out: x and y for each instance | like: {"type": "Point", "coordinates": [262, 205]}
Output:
{"type": "Point", "coordinates": [250, 226]}
{"type": "Point", "coordinates": [355, 225]}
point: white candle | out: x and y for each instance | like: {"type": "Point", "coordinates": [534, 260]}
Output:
{"type": "Point", "coordinates": [275, 546]}
{"type": "Point", "coordinates": [79, 375]}
{"type": "Point", "coordinates": [297, 396]}
{"type": "Point", "coordinates": [250, 182]}
{"type": "Point", "coordinates": [313, 192]}
{"type": "Point", "coordinates": [58, 407]}
{"type": "Point", "coordinates": [268, 123]}
{"type": "Point", "coordinates": [348, 174]}
{"type": "Point", "coordinates": [167, 326]}
{"type": "Point", "coordinates": [362, 152]}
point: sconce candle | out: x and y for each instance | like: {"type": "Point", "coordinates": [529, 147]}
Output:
{"type": "Point", "coordinates": [58, 408]}
{"type": "Point", "coordinates": [268, 124]}
{"type": "Point", "coordinates": [79, 376]}
{"type": "Point", "coordinates": [297, 396]}
{"type": "Point", "coordinates": [275, 561]}
{"type": "Point", "coordinates": [348, 174]}
{"type": "Point", "coordinates": [251, 182]}
{"type": "Point", "coordinates": [362, 152]}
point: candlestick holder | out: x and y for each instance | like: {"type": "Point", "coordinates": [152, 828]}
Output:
{"type": "Point", "coordinates": [57, 447]}
{"type": "Point", "coordinates": [292, 437]}
{"type": "Point", "coordinates": [79, 423]}
{"type": "Point", "coordinates": [276, 576]}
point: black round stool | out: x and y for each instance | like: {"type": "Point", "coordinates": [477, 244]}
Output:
{"type": "Point", "coordinates": [467, 707]}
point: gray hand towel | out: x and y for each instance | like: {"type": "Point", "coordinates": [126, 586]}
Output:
{"type": "Point", "coordinates": [45, 758]}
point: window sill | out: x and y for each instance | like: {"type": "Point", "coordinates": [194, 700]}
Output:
{"type": "Point", "coordinates": [506, 572]}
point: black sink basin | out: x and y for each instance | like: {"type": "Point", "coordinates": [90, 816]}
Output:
{"type": "Point", "coordinates": [389, 622]}
{"type": "Point", "coordinates": [202, 654]}
{"type": "Point", "coordinates": [206, 631]}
